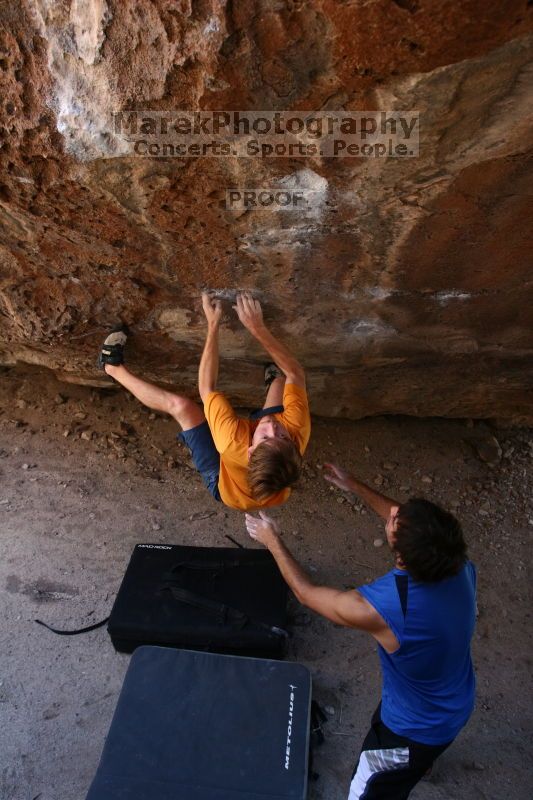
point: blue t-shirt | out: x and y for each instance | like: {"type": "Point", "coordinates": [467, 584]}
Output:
{"type": "Point", "coordinates": [429, 682]}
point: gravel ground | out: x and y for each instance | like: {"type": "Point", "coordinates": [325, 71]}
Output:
{"type": "Point", "coordinates": [86, 474]}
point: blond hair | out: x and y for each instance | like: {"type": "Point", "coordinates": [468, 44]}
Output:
{"type": "Point", "coordinates": [274, 465]}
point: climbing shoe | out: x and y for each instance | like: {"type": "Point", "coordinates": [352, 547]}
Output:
{"type": "Point", "coordinates": [272, 372]}
{"type": "Point", "coordinates": [112, 351]}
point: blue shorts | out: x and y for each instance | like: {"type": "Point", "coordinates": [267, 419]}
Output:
{"type": "Point", "coordinates": [205, 456]}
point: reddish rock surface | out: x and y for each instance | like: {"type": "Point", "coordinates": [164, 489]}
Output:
{"type": "Point", "coordinates": [405, 288]}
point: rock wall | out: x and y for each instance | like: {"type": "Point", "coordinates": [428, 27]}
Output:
{"type": "Point", "coordinates": [403, 288]}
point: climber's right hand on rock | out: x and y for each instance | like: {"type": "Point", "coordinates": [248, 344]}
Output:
{"type": "Point", "coordinates": [249, 311]}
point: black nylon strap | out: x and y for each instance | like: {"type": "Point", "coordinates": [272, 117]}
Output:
{"type": "Point", "coordinates": [74, 632]}
{"type": "Point", "coordinates": [227, 614]}
{"type": "Point", "coordinates": [224, 613]}
{"type": "Point", "coordinates": [235, 542]}
{"type": "Point", "coordinates": [266, 412]}
{"type": "Point", "coordinates": [217, 566]}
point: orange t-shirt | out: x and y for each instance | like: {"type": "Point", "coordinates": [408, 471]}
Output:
{"type": "Point", "coordinates": [233, 436]}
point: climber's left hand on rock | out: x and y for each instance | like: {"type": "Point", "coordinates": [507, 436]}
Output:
{"type": "Point", "coordinates": [212, 309]}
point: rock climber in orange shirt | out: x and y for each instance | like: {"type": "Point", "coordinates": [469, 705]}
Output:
{"type": "Point", "coordinates": [246, 463]}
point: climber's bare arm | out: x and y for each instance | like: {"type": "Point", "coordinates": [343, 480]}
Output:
{"type": "Point", "coordinates": [250, 314]}
{"type": "Point", "coordinates": [208, 370]}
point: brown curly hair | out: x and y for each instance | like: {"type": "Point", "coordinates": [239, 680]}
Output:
{"type": "Point", "coordinates": [429, 541]}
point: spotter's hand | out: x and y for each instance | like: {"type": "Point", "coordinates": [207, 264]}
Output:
{"type": "Point", "coordinates": [263, 530]}
{"type": "Point", "coordinates": [338, 477]}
